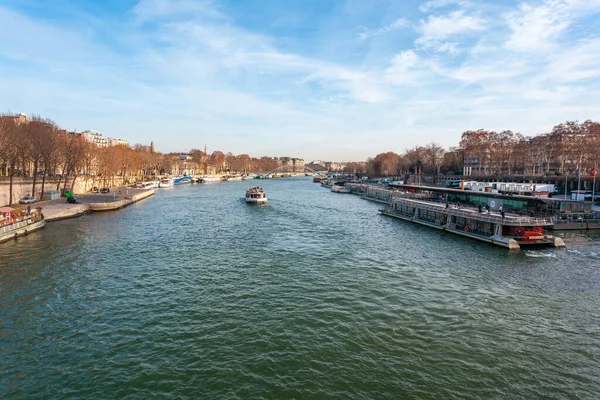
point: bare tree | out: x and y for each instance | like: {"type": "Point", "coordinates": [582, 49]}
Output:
{"type": "Point", "coordinates": [13, 146]}
{"type": "Point", "coordinates": [434, 154]}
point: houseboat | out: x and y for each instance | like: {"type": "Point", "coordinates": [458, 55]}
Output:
{"type": "Point", "coordinates": [566, 214]}
{"type": "Point", "coordinates": [256, 195]}
{"type": "Point", "coordinates": [503, 229]}
{"type": "Point", "coordinates": [327, 183]}
{"type": "Point", "coordinates": [514, 188]}
{"type": "Point", "coordinates": [15, 222]}
{"type": "Point", "coordinates": [210, 179]}
{"type": "Point", "coordinates": [340, 189]}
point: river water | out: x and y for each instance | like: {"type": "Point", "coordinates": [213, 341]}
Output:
{"type": "Point", "coordinates": [194, 294]}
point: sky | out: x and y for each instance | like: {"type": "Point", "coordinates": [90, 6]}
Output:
{"type": "Point", "coordinates": [336, 80]}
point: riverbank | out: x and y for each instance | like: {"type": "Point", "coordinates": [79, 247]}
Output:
{"type": "Point", "coordinates": [56, 210]}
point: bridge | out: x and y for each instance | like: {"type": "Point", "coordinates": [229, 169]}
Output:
{"type": "Point", "coordinates": [293, 168]}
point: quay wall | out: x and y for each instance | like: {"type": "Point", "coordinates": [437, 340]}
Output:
{"type": "Point", "coordinates": [22, 187]}
{"type": "Point", "coordinates": [61, 211]}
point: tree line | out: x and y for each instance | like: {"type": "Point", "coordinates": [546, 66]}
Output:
{"type": "Point", "coordinates": [569, 147]}
{"type": "Point", "coordinates": [39, 149]}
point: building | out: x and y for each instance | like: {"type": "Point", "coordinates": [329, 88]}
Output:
{"type": "Point", "coordinates": [116, 142]}
{"type": "Point", "coordinates": [17, 118]}
{"type": "Point", "coordinates": [96, 138]}
{"type": "Point", "coordinates": [99, 140]}
{"type": "Point", "coordinates": [297, 163]}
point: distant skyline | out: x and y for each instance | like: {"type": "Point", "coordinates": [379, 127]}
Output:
{"type": "Point", "coordinates": [315, 79]}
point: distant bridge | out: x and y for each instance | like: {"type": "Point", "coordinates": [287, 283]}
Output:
{"type": "Point", "coordinates": [292, 168]}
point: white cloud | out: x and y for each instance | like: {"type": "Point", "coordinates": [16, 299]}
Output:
{"type": "Point", "coordinates": [399, 23]}
{"type": "Point", "coordinates": [199, 74]}
{"type": "Point", "coordinates": [535, 28]}
{"type": "Point", "coordinates": [436, 29]}
{"type": "Point", "coordinates": [540, 27]}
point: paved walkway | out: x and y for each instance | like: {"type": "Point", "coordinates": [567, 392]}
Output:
{"type": "Point", "coordinates": [55, 210]}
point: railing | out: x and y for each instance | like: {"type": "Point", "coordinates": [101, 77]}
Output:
{"type": "Point", "coordinates": [17, 224]}
{"type": "Point", "coordinates": [511, 220]}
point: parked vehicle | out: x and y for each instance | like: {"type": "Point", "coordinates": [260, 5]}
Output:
{"type": "Point", "coordinates": [27, 200]}
{"type": "Point", "coordinates": [72, 200]}
{"type": "Point", "coordinates": [105, 190]}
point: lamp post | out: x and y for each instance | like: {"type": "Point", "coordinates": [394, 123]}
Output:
{"type": "Point", "coordinates": [593, 184]}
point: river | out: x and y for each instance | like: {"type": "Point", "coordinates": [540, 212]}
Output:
{"type": "Point", "coordinates": [194, 294]}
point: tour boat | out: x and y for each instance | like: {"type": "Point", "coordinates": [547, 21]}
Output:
{"type": "Point", "coordinates": [180, 180]}
{"type": "Point", "coordinates": [340, 189]}
{"type": "Point", "coordinates": [15, 222]}
{"type": "Point", "coordinates": [256, 195]}
{"type": "Point", "coordinates": [166, 183]}
{"type": "Point", "coordinates": [502, 229]}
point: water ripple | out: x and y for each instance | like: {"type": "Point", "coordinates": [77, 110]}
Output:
{"type": "Point", "coordinates": [193, 294]}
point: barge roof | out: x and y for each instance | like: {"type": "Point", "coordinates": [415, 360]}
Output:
{"type": "Point", "coordinates": [476, 193]}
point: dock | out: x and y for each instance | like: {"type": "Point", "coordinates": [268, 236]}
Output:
{"type": "Point", "coordinates": [56, 210]}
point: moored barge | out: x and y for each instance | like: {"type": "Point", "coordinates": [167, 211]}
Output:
{"type": "Point", "coordinates": [15, 222]}
{"type": "Point", "coordinates": [506, 230]}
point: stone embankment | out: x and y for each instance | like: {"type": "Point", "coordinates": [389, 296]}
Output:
{"type": "Point", "coordinates": [55, 210]}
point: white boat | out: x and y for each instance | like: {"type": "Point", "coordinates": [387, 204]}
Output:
{"type": "Point", "coordinates": [340, 189]}
{"type": "Point", "coordinates": [166, 183]}
{"type": "Point", "coordinates": [256, 195]}
{"type": "Point", "coordinates": [234, 178]}
{"type": "Point", "coordinates": [146, 185]}
{"type": "Point", "coordinates": [210, 179]}
{"type": "Point", "coordinates": [15, 222]}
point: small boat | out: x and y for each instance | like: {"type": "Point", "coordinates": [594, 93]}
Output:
{"type": "Point", "coordinates": [317, 179]}
{"type": "Point", "coordinates": [15, 222]}
{"type": "Point", "coordinates": [340, 189]}
{"type": "Point", "coordinates": [234, 178]}
{"type": "Point", "coordinates": [180, 180]}
{"type": "Point", "coordinates": [256, 195]}
{"type": "Point", "coordinates": [166, 183]}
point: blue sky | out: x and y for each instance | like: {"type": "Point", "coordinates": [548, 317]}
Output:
{"type": "Point", "coordinates": [317, 79]}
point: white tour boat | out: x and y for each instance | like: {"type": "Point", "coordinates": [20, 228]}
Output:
{"type": "Point", "coordinates": [256, 195]}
